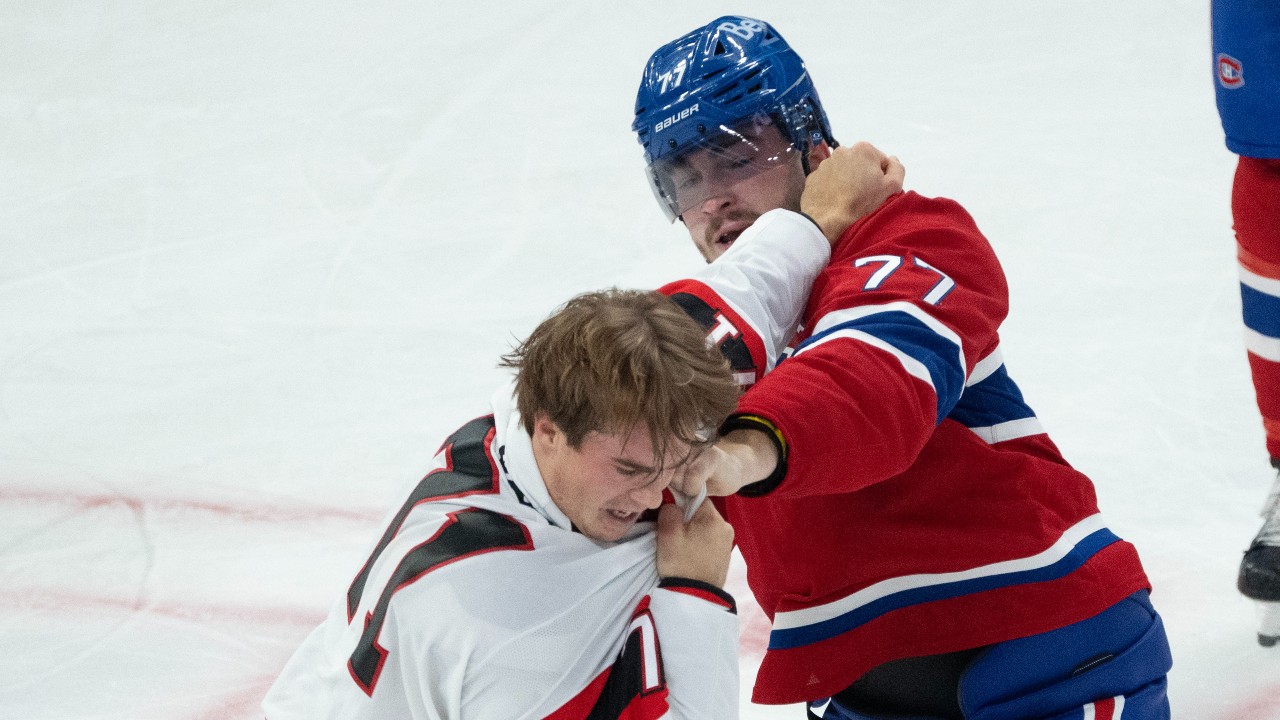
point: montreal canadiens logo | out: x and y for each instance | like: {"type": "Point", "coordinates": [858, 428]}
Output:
{"type": "Point", "coordinates": [1230, 71]}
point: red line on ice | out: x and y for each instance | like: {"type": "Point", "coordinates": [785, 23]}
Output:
{"type": "Point", "coordinates": [237, 705]}
{"type": "Point", "coordinates": [1263, 704]}
{"type": "Point", "coordinates": [249, 513]}
{"type": "Point", "coordinates": [61, 600]}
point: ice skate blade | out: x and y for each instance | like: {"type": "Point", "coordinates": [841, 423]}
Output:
{"type": "Point", "coordinates": [1269, 623]}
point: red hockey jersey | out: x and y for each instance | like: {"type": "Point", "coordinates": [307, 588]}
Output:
{"type": "Point", "coordinates": [923, 510]}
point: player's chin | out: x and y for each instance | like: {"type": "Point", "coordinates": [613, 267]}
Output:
{"type": "Point", "coordinates": [712, 251]}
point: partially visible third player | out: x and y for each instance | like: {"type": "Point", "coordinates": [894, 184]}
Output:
{"type": "Point", "coordinates": [1246, 59]}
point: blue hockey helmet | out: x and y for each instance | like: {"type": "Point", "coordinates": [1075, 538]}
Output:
{"type": "Point", "coordinates": [708, 90]}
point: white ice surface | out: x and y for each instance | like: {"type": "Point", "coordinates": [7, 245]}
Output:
{"type": "Point", "coordinates": [257, 259]}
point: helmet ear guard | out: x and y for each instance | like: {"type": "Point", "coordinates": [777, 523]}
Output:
{"type": "Point", "coordinates": [807, 131]}
{"type": "Point", "coordinates": [713, 78]}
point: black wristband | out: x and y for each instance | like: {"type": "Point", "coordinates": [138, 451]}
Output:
{"type": "Point", "coordinates": [701, 589]}
{"type": "Point", "coordinates": [754, 422]}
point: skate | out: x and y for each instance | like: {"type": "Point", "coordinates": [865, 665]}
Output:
{"type": "Point", "coordinates": [1260, 570]}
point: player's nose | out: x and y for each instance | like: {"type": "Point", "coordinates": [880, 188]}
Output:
{"type": "Point", "coordinates": [650, 496]}
{"type": "Point", "coordinates": [720, 200]}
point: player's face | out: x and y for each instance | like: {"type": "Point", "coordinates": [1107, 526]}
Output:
{"type": "Point", "coordinates": [605, 483]}
{"type": "Point", "coordinates": [727, 198]}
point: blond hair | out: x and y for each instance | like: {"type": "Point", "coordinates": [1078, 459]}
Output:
{"type": "Point", "coordinates": [617, 360]}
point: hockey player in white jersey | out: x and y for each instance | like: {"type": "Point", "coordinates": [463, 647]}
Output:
{"type": "Point", "coordinates": [521, 578]}
{"type": "Point", "coordinates": [517, 579]}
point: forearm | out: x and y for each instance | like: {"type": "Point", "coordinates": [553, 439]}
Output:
{"type": "Point", "coordinates": [841, 429]}
{"type": "Point", "coordinates": [912, 300]}
{"type": "Point", "coordinates": [751, 299]}
{"type": "Point", "coordinates": [699, 654]}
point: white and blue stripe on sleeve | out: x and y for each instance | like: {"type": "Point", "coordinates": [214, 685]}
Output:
{"type": "Point", "coordinates": [992, 405]}
{"type": "Point", "coordinates": [927, 349]}
{"type": "Point", "coordinates": [988, 402]}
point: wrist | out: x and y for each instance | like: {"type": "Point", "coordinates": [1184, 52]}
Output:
{"type": "Point", "coordinates": [715, 594]}
{"type": "Point", "coordinates": [832, 227]}
{"type": "Point", "coordinates": [761, 448]}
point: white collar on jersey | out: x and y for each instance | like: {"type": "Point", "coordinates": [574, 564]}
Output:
{"type": "Point", "coordinates": [515, 449]}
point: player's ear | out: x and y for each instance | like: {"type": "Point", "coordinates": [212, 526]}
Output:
{"type": "Point", "coordinates": [818, 153]}
{"type": "Point", "coordinates": [546, 433]}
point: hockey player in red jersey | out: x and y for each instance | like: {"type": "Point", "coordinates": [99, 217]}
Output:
{"type": "Point", "coordinates": [921, 546]}
{"type": "Point", "coordinates": [1246, 57]}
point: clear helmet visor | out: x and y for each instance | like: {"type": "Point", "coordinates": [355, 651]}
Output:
{"type": "Point", "coordinates": [715, 165]}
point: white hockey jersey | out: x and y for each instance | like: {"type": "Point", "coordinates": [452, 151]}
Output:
{"type": "Point", "coordinates": [480, 601]}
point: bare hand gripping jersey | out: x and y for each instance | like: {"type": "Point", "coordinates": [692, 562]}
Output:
{"type": "Point", "coordinates": [924, 510]}
{"type": "Point", "coordinates": [480, 601]}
